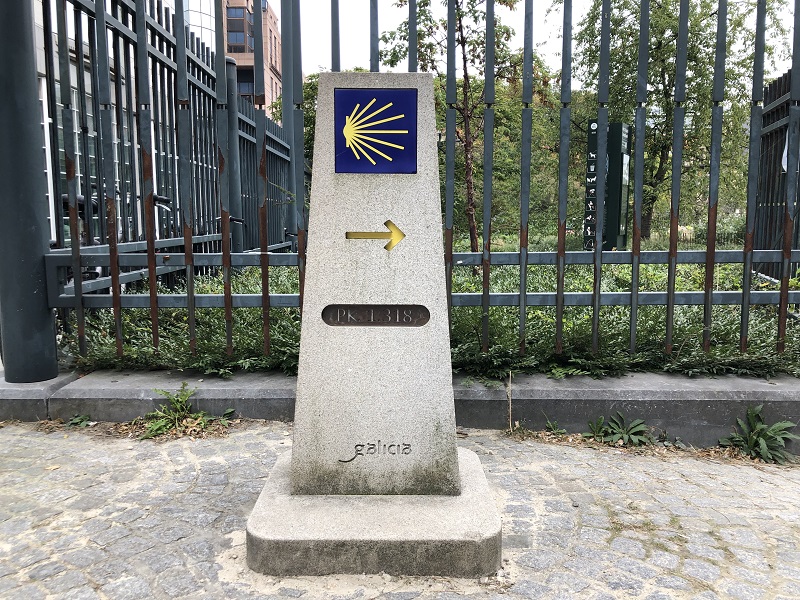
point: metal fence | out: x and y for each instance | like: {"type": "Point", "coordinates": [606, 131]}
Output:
{"type": "Point", "coordinates": [145, 118]}
{"type": "Point", "coordinates": [153, 151]}
{"type": "Point", "coordinates": [771, 204]}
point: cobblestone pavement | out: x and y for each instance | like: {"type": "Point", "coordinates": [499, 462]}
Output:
{"type": "Point", "coordinates": [84, 517]}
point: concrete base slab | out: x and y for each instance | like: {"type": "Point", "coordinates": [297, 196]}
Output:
{"type": "Point", "coordinates": [454, 536]}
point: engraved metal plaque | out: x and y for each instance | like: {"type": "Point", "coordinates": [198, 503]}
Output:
{"type": "Point", "coordinates": [377, 315]}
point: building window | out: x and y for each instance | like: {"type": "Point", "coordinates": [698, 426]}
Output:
{"type": "Point", "coordinates": [236, 41]}
{"type": "Point", "coordinates": [236, 13]}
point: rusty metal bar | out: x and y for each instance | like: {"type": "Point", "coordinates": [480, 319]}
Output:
{"type": "Point", "coordinates": [223, 184]}
{"type": "Point", "coordinates": [185, 197]}
{"type": "Point", "coordinates": [679, 118]}
{"type": "Point", "coordinates": [718, 95]}
{"type": "Point", "coordinates": [68, 124]}
{"type": "Point", "coordinates": [638, 164]}
{"type": "Point", "coordinates": [108, 186]}
{"type": "Point", "coordinates": [450, 153]}
{"type": "Point", "coordinates": [792, 161]}
{"type": "Point", "coordinates": [145, 149]}
{"type": "Point", "coordinates": [525, 167]}
{"type": "Point", "coordinates": [488, 159]}
{"type": "Point", "coordinates": [262, 176]}
{"type": "Point", "coordinates": [602, 160]}
{"type": "Point", "coordinates": [563, 170]}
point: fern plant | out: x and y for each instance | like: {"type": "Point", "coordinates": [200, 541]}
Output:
{"type": "Point", "coordinates": [756, 439]}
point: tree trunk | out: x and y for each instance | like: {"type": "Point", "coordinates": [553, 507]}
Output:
{"type": "Point", "coordinates": [647, 220]}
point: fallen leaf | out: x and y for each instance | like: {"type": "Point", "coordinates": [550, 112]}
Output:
{"type": "Point", "coordinates": [52, 467]}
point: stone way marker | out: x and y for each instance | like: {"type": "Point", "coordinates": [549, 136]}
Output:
{"type": "Point", "coordinates": [375, 481]}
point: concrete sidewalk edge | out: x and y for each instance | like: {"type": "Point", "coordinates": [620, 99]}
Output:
{"type": "Point", "coordinates": [697, 410]}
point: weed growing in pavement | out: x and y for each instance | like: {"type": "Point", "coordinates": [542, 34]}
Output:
{"type": "Point", "coordinates": [756, 439]}
{"type": "Point", "coordinates": [597, 429]}
{"type": "Point", "coordinates": [617, 432]}
{"type": "Point", "coordinates": [552, 426]}
{"type": "Point", "coordinates": [178, 419]}
{"type": "Point", "coordinates": [80, 421]}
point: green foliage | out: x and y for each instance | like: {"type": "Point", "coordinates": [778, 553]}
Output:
{"type": "Point", "coordinates": [503, 356]}
{"type": "Point", "coordinates": [178, 417]}
{"type": "Point", "coordinates": [79, 421]}
{"type": "Point", "coordinates": [597, 429]}
{"type": "Point", "coordinates": [756, 439]}
{"type": "Point", "coordinates": [661, 80]}
{"type": "Point", "coordinates": [552, 426]}
{"type": "Point", "coordinates": [616, 431]}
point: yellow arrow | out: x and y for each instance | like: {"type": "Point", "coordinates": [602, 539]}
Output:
{"type": "Point", "coordinates": [394, 235]}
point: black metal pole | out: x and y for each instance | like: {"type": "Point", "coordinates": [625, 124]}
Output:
{"type": "Point", "coordinates": [234, 161]}
{"type": "Point", "coordinates": [28, 332]}
{"type": "Point", "coordinates": [287, 105]}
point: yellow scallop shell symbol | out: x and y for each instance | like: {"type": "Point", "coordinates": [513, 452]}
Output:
{"type": "Point", "coordinates": [358, 132]}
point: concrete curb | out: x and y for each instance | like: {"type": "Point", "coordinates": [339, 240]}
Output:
{"type": "Point", "coordinates": [697, 410]}
{"type": "Point", "coordinates": [28, 401]}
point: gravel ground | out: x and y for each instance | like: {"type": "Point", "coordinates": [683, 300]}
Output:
{"type": "Point", "coordinates": [93, 516]}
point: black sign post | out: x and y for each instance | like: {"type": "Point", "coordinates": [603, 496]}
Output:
{"type": "Point", "coordinates": [614, 229]}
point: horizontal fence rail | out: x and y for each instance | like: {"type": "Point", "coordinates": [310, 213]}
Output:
{"type": "Point", "coordinates": [159, 174]}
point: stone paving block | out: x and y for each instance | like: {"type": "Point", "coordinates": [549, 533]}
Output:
{"type": "Point", "coordinates": [702, 570]}
{"type": "Point", "coordinates": [129, 588]}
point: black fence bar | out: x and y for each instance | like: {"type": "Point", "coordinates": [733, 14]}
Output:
{"type": "Point", "coordinates": [793, 159]}
{"type": "Point", "coordinates": [638, 163]}
{"type": "Point", "coordinates": [602, 160]}
{"type": "Point", "coordinates": [108, 186]}
{"type": "Point", "coordinates": [412, 36]}
{"type": "Point", "coordinates": [143, 101]}
{"type": "Point", "coordinates": [262, 177]}
{"type": "Point", "coordinates": [185, 196]}
{"type": "Point", "coordinates": [678, 122]}
{"type": "Point", "coordinates": [287, 104]}
{"type": "Point", "coordinates": [374, 55]}
{"type": "Point", "coordinates": [450, 152]}
{"type": "Point", "coordinates": [336, 63]}
{"type": "Point", "coordinates": [224, 144]}
{"type": "Point", "coordinates": [718, 95]}
{"type": "Point", "coordinates": [298, 161]}
{"type": "Point", "coordinates": [488, 165]}
{"type": "Point", "coordinates": [563, 170]}
{"type": "Point", "coordinates": [542, 299]}
{"type": "Point", "coordinates": [70, 165]}
{"type": "Point", "coordinates": [52, 109]}
{"type": "Point", "coordinates": [525, 166]}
